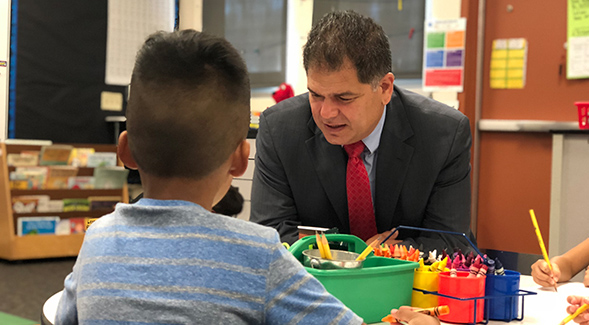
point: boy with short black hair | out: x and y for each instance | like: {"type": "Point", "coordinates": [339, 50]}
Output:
{"type": "Point", "coordinates": [167, 258]}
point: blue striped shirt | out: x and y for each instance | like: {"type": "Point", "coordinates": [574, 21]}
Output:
{"type": "Point", "coordinates": [173, 262]}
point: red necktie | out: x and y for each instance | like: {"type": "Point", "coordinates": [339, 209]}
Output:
{"type": "Point", "coordinates": [360, 210]}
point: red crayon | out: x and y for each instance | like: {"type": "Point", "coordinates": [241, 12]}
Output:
{"type": "Point", "coordinates": [482, 270]}
{"type": "Point", "coordinates": [474, 268]}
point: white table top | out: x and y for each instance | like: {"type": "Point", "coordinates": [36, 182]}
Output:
{"type": "Point", "coordinates": [547, 307]}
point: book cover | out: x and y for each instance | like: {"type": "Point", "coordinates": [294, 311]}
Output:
{"type": "Point", "coordinates": [58, 176]}
{"type": "Point", "coordinates": [102, 159]}
{"type": "Point", "coordinates": [57, 154]}
{"type": "Point", "coordinates": [104, 202]}
{"type": "Point", "coordinates": [35, 176]}
{"type": "Point", "coordinates": [50, 206]}
{"type": "Point", "coordinates": [22, 159]}
{"type": "Point", "coordinates": [76, 205]}
{"type": "Point", "coordinates": [110, 177]}
{"type": "Point", "coordinates": [28, 203]}
{"type": "Point", "coordinates": [79, 156]}
{"type": "Point", "coordinates": [81, 182]}
{"type": "Point", "coordinates": [77, 225]}
{"type": "Point", "coordinates": [36, 225]}
{"type": "Point", "coordinates": [63, 227]}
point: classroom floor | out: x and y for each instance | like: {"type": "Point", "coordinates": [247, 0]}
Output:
{"type": "Point", "coordinates": [25, 285]}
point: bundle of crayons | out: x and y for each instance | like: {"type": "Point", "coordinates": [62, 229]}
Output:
{"type": "Point", "coordinates": [398, 251]}
{"type": "Point", "coordinates": [433, 311]}
{"type": "Point", "coordinates": [476, 265]}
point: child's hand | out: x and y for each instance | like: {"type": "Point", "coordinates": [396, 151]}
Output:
{"type": "Point", "coordinates": [413, 318]}
{"type": "Point", "coordinates": [576, 302]}
{"type": "Point", "coordinates": [541, 273]}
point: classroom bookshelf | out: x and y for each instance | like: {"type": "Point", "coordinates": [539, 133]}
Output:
{"type": "Point", "coordinates": [14, 247]}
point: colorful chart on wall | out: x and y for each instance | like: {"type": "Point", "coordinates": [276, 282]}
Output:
{"type": "Point", "coordinates": [578, 39]}
{"type": "Point", "coordinates": [443, 57]}
{"type": "Point", "coordinates": [508, 63]}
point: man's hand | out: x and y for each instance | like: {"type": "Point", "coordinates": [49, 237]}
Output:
{"type": "Point", "coordinates": [390, 241]}
{"type": "Point", "coordinates": [541, 273]}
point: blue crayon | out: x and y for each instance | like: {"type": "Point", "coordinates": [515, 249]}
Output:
{"type": "Point", "coordinates": [499, 267]}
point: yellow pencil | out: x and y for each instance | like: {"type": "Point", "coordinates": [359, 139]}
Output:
{"type": "Point", "coordinates": [541, 242]}
{"type": "Point", "coordinates": [326, 248]}
{"type": "Point", "coordinates": [575, 314]}
{"type": "Point", "coordinates": [320, 245]}
{"type": "Point", "coordinates": [367, 250]}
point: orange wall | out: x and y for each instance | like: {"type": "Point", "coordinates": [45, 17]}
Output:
{"type": "Point", "coordinates": [515, 168]}
{"type": "Point", "coordinates": [514, 177]}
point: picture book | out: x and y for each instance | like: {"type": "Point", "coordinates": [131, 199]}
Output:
{"type": "Point", "coordinates": [56, 154]}
{"type": "Point", "coordinates": [76, 205]}
{"type": "Point", "coordinates": [79, 156]}
{"type": "Point", "coordinates": [28, 203]}
{"type": "Point", "coordinates": [36, 225]}
{"type": "Point", "coordinates": [104, 202]}
{"type": "Point", "coordinates": [102, 159]}
{"type": "Point", "coordinates": [35, 177]}
{"type": "Point", "coordinates": [58, 176]}
{"type": "Point", "coordinates": [50, 206]}
{"type": "Point", "coordinates": [71, 226]}
{"type": "Point", "coordinates": [80, 182]}
{"type": "Point", "coordinates": [22, 159]}
{"type": "Point", "coordinates": [110, 177]}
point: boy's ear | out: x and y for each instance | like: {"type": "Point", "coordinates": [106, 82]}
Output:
{"type": "Point", "coordinates": [124, 152]}
{"type": "Point", "coordinates": [239, 159]}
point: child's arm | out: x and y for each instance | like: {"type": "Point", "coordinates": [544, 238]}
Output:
{"type": "Point", "coordinates": [67, 311]}
{"type": "Point", "coordinates": [564, 266]}
{"type": "Point", "coordinates": [576, 302]}
{"type": "Point", "coordinates": [406, 314]}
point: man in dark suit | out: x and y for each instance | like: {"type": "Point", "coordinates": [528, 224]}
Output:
{"type": "Point", "coordinates": [417, 153]}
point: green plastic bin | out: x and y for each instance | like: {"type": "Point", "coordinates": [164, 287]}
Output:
{"type": "Point", "coordinates": [371, 292]}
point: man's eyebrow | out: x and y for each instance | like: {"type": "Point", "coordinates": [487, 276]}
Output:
{"type": "Point", "coordinates": [345, 93]}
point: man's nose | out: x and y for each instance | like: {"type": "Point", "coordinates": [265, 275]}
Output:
{"type": "Point", "coordinates": [329, 109]}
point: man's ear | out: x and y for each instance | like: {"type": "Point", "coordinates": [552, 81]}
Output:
{"type": "Point", "coordinates": [239, 159]}
{"type": "Point", "coordinates": [124, 152]}
{"type": "Point", "coordinates": [386, 87]}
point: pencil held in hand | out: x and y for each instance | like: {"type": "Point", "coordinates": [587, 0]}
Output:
{"type": "Point", "coordinates": [575, 314]}
{"type": "Point", "coordinates": [542, 247]}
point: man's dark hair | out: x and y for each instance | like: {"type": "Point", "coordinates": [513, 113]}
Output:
{"type": "Point", "coordinates": [347, 34]}
{"type": "Point", "coordinates": [189, 104]}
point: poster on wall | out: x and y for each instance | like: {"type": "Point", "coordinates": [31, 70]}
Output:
{"type": "Point", "coordinates": [443, 55]}
{"type": "Point", "coordinates": [578, 39]}
{"type": "Point", "coordinates": [508, 63]}
{"type": "Point", "coordinates": [129, 24]}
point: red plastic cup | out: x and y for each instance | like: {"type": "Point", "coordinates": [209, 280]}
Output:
{"type": "Point", "coordinates": [462, 286]}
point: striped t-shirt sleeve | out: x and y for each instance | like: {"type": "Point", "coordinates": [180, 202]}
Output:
{"type": "Point", "coordinates": [295, 297]}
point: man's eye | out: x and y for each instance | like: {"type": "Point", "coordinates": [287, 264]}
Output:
{"type": "Point", "coordinates": [345, 99]}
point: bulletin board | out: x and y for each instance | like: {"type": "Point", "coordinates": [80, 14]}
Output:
{"type": "Point", "coordinates": [58, 60]}
{"type": "Point", "coordinates": [547, 94]}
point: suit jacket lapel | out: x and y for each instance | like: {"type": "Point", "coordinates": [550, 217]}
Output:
{"type": "Point", "coordinates": [393, 159]}
{"type": "Point", "coordinates": [330, 164]}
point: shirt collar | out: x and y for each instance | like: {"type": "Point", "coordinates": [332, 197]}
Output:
{"type": "Point", "coordinates": [371, 142]}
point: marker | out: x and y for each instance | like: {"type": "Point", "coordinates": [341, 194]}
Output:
{"type": "Point", "coordinates": [499, 267]}
{"type": "Point", "coordinates": [575, 314]}
{"type": "Point", "coordinates": [542, 248]}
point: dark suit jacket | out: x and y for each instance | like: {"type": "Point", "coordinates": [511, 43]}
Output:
{"type": "Point", "coordinates": [422, 172]}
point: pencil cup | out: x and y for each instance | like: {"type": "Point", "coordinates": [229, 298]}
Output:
{"type": "Point", "coordinates": [505, 309]}
{"type": "Point", "coordinates": [425, 280]}
{"type": "Point", "coordinates": [461, 286]}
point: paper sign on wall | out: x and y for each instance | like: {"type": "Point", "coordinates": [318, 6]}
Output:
{"type": "Point", "coordinates": [578, 39]}
{"type": "Point", "coordinates": [443, 61]}
{"type": "Point", "coordinates": [508, 63]}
